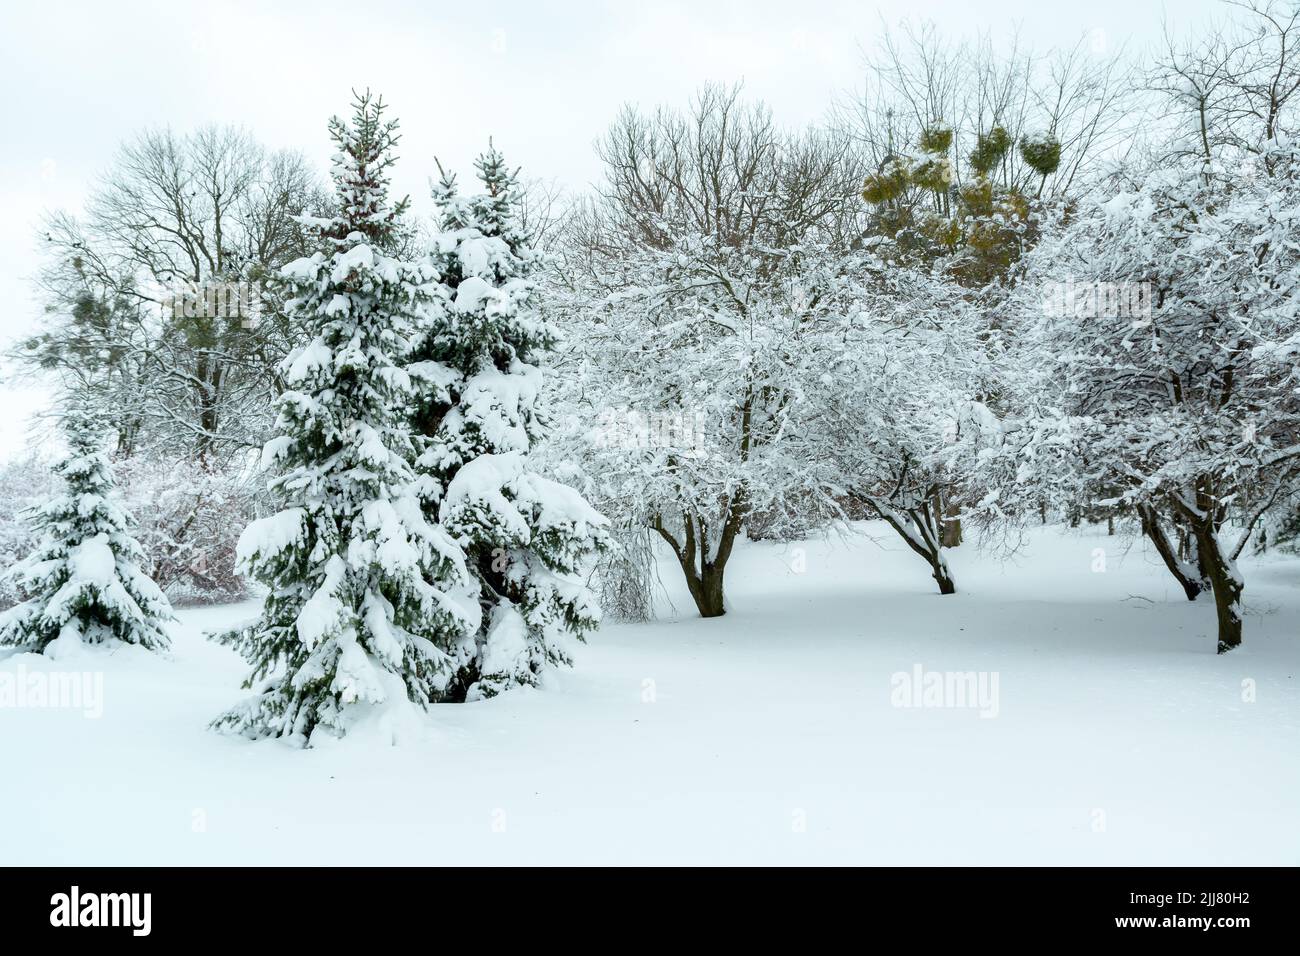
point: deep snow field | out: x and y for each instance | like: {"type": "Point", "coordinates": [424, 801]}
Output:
{"type": "Point", "coordinates": [766, 736]}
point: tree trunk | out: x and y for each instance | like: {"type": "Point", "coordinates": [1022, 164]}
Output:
{"type": "Point", "coordinates": [704, 575]}
{"type": "Point", "coordinates": [951, 530]}
{"type": "Point", "coordinates": [943, 577]}
{"type": "Point", "coordinates": [950, 536]}
{"type": "Point", "coordinates": [1225, 582]}
{"type": "Point", "coordinates": [706, 590]}
{"type": "Point", "coordinates": [1182, 571]}
{"type": "Point", "coordinates": [919, 527]}
{"type": "Point", "coordinates": [1216, 564]}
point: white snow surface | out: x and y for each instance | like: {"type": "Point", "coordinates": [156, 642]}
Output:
{"type": "Point", "coordinates": [92, 562]}
{"type": "Point", "coordinates": [507, 641]}
{"type": "Point", "coordinates": [765, 736]}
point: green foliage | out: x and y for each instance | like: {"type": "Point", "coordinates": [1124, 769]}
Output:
{"type": "Point", "coordinates": [990, 149]}
{"type": "Point", "coordinates": [936, 140]}
{"type": "Point", "coordinates": [933, 174]}
{"type": "Point", "coordinates": [89, 338]}
{"type": "Point", "coordinates": [977, 232]}
{"type": "Point", "coordinates": [994, 233]}
{"type": "Point", "coordinates": [890, 183]}
{"type": "Point", "coordinates": [1042, 154]}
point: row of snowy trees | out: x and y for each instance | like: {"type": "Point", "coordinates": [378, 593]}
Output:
{"type": "Point", "coordinates": [731, 274]}
{"type": "Point", "coordinates": [972, 339]}
{"type": "Point", "coordinates": [1185, 412]}
{"type": "Point", "coordinates": [415, 555]}
{"type": "Point", "coordinates": [942, 311]}
{"type": "Point", "coordinates": [1182, 408]}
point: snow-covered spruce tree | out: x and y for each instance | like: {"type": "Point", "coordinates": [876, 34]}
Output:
{"type": "Point", "coordinates": [526, 537]}
{"type": "Point", "coordinates": [84, 578]}
{"type": "Point", "coordinates": [368, 600]}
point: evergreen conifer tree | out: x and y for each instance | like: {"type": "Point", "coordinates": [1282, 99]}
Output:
{"type": "Point", "coordinates": [525, 536]}
{"type": "Point", "coordinates": [368, 601]}
{"type": "Point", "coordinates": [85, 578]}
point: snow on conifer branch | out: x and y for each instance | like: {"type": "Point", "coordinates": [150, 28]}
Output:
{"type": "Point", "coordinates": [368, 604]}
{"type": "Point", "coordinates": [526, 538]}
{"type": "Point", "coordinates": [85, 577]}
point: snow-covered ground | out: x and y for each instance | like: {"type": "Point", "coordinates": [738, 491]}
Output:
{"type": "Point", "coordinates": [768, 736]}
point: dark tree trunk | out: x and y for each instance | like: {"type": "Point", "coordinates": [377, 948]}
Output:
{"type": "Point", "coordinates": [704, 574]}
{"type": "Point", "coordinates": [951, 525]}
{"type": "Point", "coordinates": [1216, 564]}
{"type": "Point", "coordinates": [1152, 528]}
{"type": "Point", "coordinates": [706, 591]}
{"type": "Point", "coordinates": [943, 577]}
{"type": "Point", "coordinates": [1226, 584]}
{"type": "Point", "coordinates": [951, 532]}
{"type": "Point", "coordinates": [919, 527]}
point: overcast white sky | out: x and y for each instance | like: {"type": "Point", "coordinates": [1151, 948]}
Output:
{"type": "Point", "coordinates": [542, 78]}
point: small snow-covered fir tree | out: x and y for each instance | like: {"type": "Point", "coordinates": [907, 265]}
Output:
{"type": "Point", "coordinates": [84, 576]}
{"type": "Point", "coordinates": [525, 536]}
{"type": "Point", "coordinates": [368, 600]}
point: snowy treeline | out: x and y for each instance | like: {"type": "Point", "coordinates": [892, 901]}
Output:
{"type": "Point", "coordinates": [1017, 320]}
{"type": "Point", "coordinates": [992, 289]}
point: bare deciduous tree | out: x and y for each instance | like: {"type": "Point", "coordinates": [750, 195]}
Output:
{"type": "Point", "coordinates": [127, 285]}
{"type": "Point", "coordinates": [1234, 89]}
{"type": "Point", "coordinates": [916, 79]}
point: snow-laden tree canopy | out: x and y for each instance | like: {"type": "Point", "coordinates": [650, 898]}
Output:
{"type": "Point", "coordinates": [1166, 378]}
